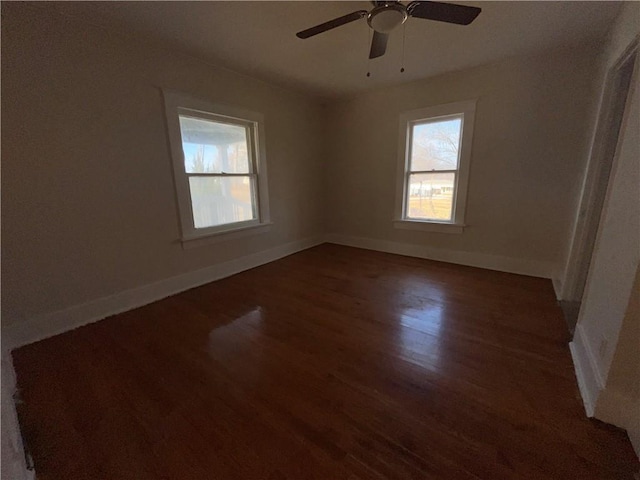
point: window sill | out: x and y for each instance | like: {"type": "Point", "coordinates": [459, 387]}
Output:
{"type": "Point", "coordinates": [429, 226]}
{"type": "Point", "coordinates": [195, 240]}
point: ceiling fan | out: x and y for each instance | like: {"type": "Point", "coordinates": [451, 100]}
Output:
{"type": "Point", "coordinates": [387, 15]}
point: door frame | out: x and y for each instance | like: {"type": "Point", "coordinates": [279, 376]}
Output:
{"type": "Point", "coordinates": [615, 95]}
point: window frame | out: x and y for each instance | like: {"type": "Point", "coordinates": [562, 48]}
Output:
{"type": "Point", "coordinates": [466, 109]}
{"type": "Point", "coordinates": [179, 104]}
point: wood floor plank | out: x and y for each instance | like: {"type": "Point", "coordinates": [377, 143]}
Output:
{"type": "Point", "coordinates": [334, 363]}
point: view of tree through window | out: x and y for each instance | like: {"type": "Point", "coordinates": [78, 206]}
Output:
{"type": "Point", "coordinates": [433, 166]}
{"type": "Point", "coordinates": [217, 162]}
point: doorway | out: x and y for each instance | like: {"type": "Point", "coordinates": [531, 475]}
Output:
{"type": "Point", "coordinates": [603, 151]}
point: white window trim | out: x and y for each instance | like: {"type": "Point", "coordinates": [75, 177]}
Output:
{"type": "Point", "coordinates": [407, 119]}
{"type": "Point", "coordinates": [176, 103]}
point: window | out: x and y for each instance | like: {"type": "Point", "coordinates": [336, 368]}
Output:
{"type": "Point", "coordinates": [433, 167]}
{"type": "Point", "coordinates": [219, 166]}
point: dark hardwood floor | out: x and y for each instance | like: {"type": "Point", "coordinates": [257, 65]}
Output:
{"type": "Point", "coordinates": [334, 363]}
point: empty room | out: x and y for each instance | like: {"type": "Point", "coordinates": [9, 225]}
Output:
{"type": "Point", "coordinates": [320, 240]}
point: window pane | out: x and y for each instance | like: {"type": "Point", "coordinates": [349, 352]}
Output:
{"type": "Point", "coordinates": [430, 196]}
{"type": "Point", "coordinates": [221, 200]}
{"type": "Point", "coordinates": [213, 147]}
{"type": "Point", "coordinates": [435, 145]}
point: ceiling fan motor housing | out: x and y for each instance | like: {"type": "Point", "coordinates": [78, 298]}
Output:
{"type": "Point", "coordinates": [384, 18]}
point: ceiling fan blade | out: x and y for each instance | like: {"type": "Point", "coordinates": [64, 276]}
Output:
{"type": "Point", "coordinates": [336, 22]}
{"type": "Point", "coordinates": [378, 44]}
{"type": "Point", "coordinates": [443, 12]}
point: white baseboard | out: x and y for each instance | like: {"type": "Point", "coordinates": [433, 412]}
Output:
{"type": "Point", "coordinates": [557, 288]}
{"type": "Point", "coordinates": [590, 380]}
{"type": "Point", "coordinates": [14, 465]}
{"type": "Point", "coordinates": [472, 259]}
{"type": "Point", "coordinates": [50, 324]}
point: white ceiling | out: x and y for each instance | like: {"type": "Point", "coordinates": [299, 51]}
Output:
{"type": "Point", "coordinates": [258, 38]}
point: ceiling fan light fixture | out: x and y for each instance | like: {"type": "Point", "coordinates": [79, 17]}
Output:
{"type": "Point", "coordinates": [385, 18]}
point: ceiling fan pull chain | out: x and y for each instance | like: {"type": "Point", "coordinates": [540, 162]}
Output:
{"type": "Point", "coordinates": [404, 34]}
{"type": "Point", "coordinates": [369, 34]}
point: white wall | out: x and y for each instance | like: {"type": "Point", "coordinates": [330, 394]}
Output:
{"type": "Point", "coordinates": [530, 144]}
{"type": "Point", "coordinates": [13, 466]}
{"type": "Point", "coordinates": [610, 295]}
{"type": "Point", "coordinates": [606, 345]}
{"type": "Point", "coordinates": [617, 251]}
{"type": "Point", "coordinates": [619, 402]}
{"type": "Point", "coordinates": [622, 32]}
{"type": "Point", "coordinates": [625, 28]}
{"type": "Point", "coordinates": [88, 205]}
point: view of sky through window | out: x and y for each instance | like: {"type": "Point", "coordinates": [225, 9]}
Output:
{"type": "Point", "coordinates": [213, 147]}
{"type": "Point", "coordinates": [216, 160]}
{"type": "Point", "coordinates": [435, 145]}
{"type": "Point", "coordinates": [435, 151]}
